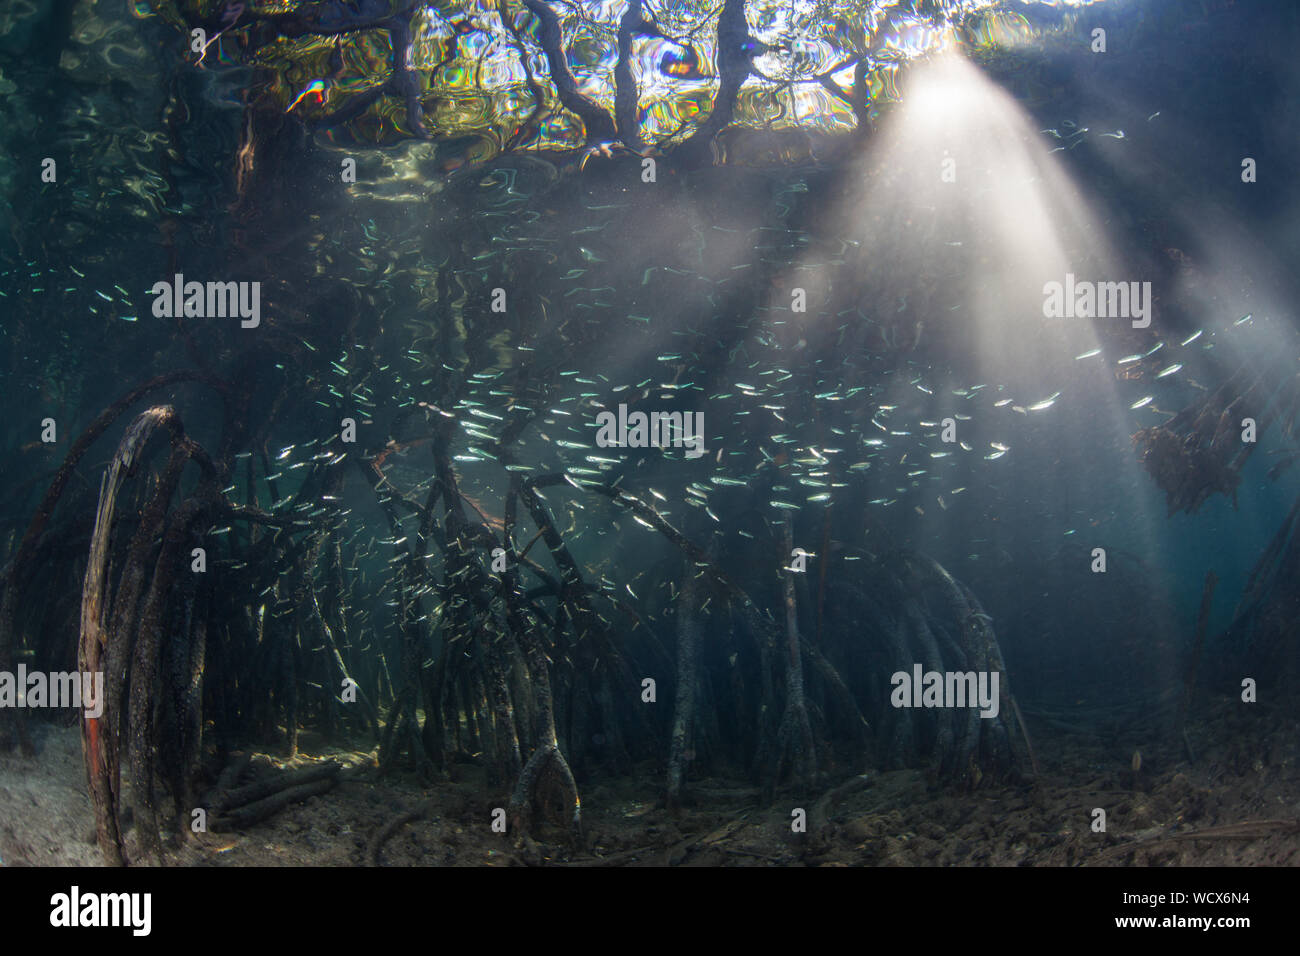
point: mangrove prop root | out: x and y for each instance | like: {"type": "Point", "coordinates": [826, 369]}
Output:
{"type": "Point", "coordinates": [192, 730]}
{"type": "Point", "coordinates": [1024, 732]}
{"type": "Point", "coordinates": [126, 604]}
{"type": "Point", "coordinates": [222, 801]}
{"type": "Point", "coordinates": [688, 638]}
{"type": "Point", "coordinates": [795, 746]}
{"type": "Point", "coordinates": [840, 692]}
{"type": "Point", "coordinates": [411, 575]}
{"type": "Point", "coordinates": [547, 752]}
{"type": "Point", "coordinates": [1246, 830]}
{"type": "Point", "coordinates": [521, 801]}
{"type": "Point", "coordinates": [127, 632]}
{"type": "Point", "coordinates": [100, 767]}
{"type": "Point", "coordinates": [819, 817]}
{"type": "Point", "coordinates": [144, 668]}
{"type": "Point", "coordinates": [368, 709]}
{"type": "Point", "coordinates": [373, 853]}
{"type": "Point", "coordinates": [242, 817]}
{"type": "Point", "coordinates": [18, 567]}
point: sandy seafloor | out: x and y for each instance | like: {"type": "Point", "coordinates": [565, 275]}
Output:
{"type": "Point", "coordinates": [1247, 772]}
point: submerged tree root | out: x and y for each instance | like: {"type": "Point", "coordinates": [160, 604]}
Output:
{"type": "Point", "coordinates": [223, 801]}
{"type": "Point", "coordinates": [688, 640]}
{"type": "Point", "coordinates": [374, 851]}
{"type": "Point", "coordinates": [235, 808]}
{"type": "Point", "coordinates": [795, 749]}
{"type": "Point", "coordinates": [141, 630]}
{"type": "Point", "coordinates": [240, 818]}
{"type": "Point", "coordinates": [526, 790]}
{"type": "Point", "coordinates": [19, 566]}
{"type": "Point", "coordinates": [1246, 830]}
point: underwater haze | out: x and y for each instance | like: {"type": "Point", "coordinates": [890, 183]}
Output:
{"type": "Point", "coordinates": [649, 433]}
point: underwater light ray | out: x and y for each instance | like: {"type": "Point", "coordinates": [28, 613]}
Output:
{"type": "Point", "coordinates": [959, 192]}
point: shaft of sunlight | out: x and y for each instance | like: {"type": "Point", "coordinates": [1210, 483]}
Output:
{"type": "Point", "coordinates": [962, 217]}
